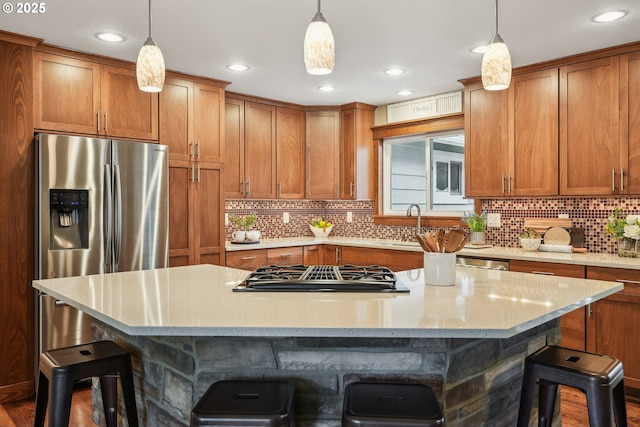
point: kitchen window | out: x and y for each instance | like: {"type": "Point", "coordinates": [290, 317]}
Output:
{"type": "Point", "coordinates": [427, 169]}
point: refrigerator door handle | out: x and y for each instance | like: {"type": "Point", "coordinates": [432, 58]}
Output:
{"type": "Point", "coordinates": [117, 225]}
{"type": "Point", "coordinates": [108, 217]}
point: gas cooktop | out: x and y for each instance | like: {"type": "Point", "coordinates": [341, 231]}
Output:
{"type": "Point", "coordinates": [322, 278]}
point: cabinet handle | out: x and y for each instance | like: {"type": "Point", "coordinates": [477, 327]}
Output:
{"type": "Point", "coordinates": [198, 148]}
{"type": "Point", "coordinates": [248, 188]}
{"type": "Point", "coordinates": [192, 173]}
{"type": "Point", "coordinates": [337, 256]}
{"type": "Point", "coordinates": [242, 188]}
{"type": "Point", "coordinates": [613, 180]}
{"type": "Point", "coordinates": [191, 149]}
{"type": "Point", "coordinates": [621, 179]}
{"type": "Point", "coordinates": [545, 273]}
{"type": "Point", "coordinates": [589, 311]}
{"type": "Point", "coordinates": [106, 123]}
{"type": "Point", "coordinates": [98, 120]}
{"type": "Point", "coordinates": [509, 184]}
{"type": "Point", "coordinates": [198, 173]}
{"type": "Point", "coordinates": [635, 282]}
{"type": "Point", "coordinates": [247, 258]}
{"type": "Point", "coordinates": [502, 183]}
{"type": "Point", "coordinates": [351, 189]}
{"type": "Point", "coordinates": [286, 255]}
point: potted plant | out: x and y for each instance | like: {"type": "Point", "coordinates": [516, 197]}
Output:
{"type": "Point", "coordinates": [245, 223]}
{"type": "Point", "coordinates": [627, 232]}
{"type": "Point", "coordinates": [477, 224]}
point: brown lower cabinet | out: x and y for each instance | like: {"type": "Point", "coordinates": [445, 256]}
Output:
{"type": "Point", "coordinates": [573, 324]}
{"type": "Point", "coordinates": [393, 259]}
{"type": "Point", "coordinates": [313, 255]}
{"type": "Point", "coordinates": [612, 327]}
{"type": "Point", "coordinates": [256, 258]}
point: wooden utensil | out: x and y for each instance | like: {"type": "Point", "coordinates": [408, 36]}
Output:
{"type": "Point", "coordinates": [423, 243]}
{"type": "Point", "coordinates": [432, 242]}
{"type": "Point", "coordinates": [440, 239]}
{"type": "Point", "coordinates": [456, 239]}
{"type": "Point", "coordinates": [557, 236]}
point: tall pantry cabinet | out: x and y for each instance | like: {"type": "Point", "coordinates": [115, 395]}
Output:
{"type": "Point", "coordinates": [16, 227]}
{"type": "Point", "coordinates": [191, 124]}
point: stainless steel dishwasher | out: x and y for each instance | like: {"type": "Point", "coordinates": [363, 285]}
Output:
{"type": "Point", "coordinates": [487, 264]}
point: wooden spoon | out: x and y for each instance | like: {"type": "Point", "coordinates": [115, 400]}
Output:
{"type": "Point", "coordinates": [424, 243]}
{"type": "Point", "coordinates": [440, 239]}
{"type": "Point", "coordinates": [432, 242]}
{"type": "Point", "coordinates": [456, 239]}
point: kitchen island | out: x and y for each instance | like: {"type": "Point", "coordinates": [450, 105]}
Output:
{"type": "Point", "coordinates": [186, 329]}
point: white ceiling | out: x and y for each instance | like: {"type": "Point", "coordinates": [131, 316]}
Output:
{"type": "Point", "coordinates": [429, 38]}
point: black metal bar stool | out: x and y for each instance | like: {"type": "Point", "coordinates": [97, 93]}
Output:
{"type": "Point", "coordinates": [61, 368]}
{"type": "Point", "coordinates": [246, 403]}
{"type": "Point", "coordinates": [377, 404]}
{"type": "Point", "coordinates": [600, 377]}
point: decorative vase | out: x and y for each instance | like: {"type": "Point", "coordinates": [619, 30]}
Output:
{"type": "Point", "coordinates": [628, 248]}
{"type": "Point", "coordinates": [478, 238]}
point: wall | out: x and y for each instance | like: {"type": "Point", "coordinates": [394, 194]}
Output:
{"type": "Point", "coordinates": [589, 213]}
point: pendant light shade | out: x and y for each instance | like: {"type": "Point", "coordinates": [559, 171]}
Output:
{"type": "Point", "coordinates": [319, 47]}
{"type": "Point", "coordinates": [496, 63]}
{"type": "Point", "coordinates": [150, 68]}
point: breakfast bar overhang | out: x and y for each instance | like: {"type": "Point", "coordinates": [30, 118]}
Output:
{"type": "Point", "coordinates": [186, 329]}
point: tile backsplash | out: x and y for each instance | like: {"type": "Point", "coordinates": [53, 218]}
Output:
{"type": "Point", "coordinates": [588, 213]}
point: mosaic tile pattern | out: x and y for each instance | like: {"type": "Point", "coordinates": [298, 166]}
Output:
{"type": "Point", "coordinates": [589, 213]}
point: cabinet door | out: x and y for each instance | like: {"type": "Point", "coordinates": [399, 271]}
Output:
{"type": "Point", "coordinates": [208, 211]}
{"type": "Point", "coordinates": [66, 94]}
{"type": "Point", "coordinates": [331, 255]}
{"type": "Point", "coordinates": [290, 153]}
{"type": "Point", "coordinates": [127, 112]}
{"type": "Point", "coordinates": [181, 219]}
{"type": "Point", "coordinates": [285, 256]}
{"type": "Point", "coordinates": [234, 149]}
{"type": "Point", "coordinates": [176, 117]}
{"type": "Point", "coordinates": [313, 255]}
{"type": "Point", "coordinates": [322, 170]}
{"type": "Point", "coordinates": [614, 322]}
{"type": "Point", "coordinates": [533, 134]}
{"type": "Point", "coordinates": [573, 324]}
{"type": "Point", "coordinates": [260, 150]}
{"type": "Point", "coordinates": [589, 121]}
{"type": "Point", "coordinates": [247, 260]}
{"type": "Point", "coordinates": [208, 127]}
{"type": "Point", "coordinates": [630, 123]}
{"type": "Point", "coordinates": [392, 259]}
{"type": "Point", "coordinates": [486, 142]}
{"type": "Point", "coordinates": [356, 153]}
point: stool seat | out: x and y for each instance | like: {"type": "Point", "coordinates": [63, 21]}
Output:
{"type": "Point", "coordinates": [378, 404]}
{"type": "Point", "coordinates": [246, 403]}
{"type": "Point", "coordinates": [61, 368]}
{"type": "Point", "coordinates": [599, 376]}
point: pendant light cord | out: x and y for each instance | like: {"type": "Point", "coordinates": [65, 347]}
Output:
{"type": "Point", "coordinates": [496, 15]}
{"type": "Point", "coordinates": [318, 6]}
{"type": "Point", "coordinates": [150, 17]}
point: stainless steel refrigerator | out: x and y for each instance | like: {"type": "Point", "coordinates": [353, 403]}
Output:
{"type": "Point", "coordinates": [101, 206]}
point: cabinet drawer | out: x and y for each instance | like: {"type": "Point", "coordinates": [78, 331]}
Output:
{"type": "Point", "coordinates": [247, 260]}
{"type": "Point", "coordinates": [548, 268]}
{"type": "Point", "coordinates": [285, 256]}
{"type": "Point", "coordinates": [630, 278]}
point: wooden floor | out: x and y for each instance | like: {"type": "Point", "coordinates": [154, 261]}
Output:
{"type": "Point", "coordinates": [20, 414]}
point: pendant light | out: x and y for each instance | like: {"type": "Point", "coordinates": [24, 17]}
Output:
{"type": "Point", "coordinates": [319, 47]}
{"type": "Point", "coordinates": [496, 63]}
{"type": "Point", "coordinates": [150, 64]}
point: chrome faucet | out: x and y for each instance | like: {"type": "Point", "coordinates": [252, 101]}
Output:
{"type": "Point", "coordinates": [419, 226]}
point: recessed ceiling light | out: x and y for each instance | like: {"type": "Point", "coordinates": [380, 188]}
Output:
{"type": "Point", "coordinates": [479, 49]}
{"type": "Point", "coordinates": [110, 37]}
{"type": "Point", "coordinates": [238, 67]}
{"type": "Point", "coordinates": [405, 92]}
{"type": "Point", "coordinates": [613, 15]}
{"type": "Point", "coordinates": [327, 88]}
{"type": "Point", "coordinates": [394, 71]}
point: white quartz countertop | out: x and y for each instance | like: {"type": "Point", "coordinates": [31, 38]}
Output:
{"type": "Point", "coordinates": [199, 301]}
{"type": "Point", "coordinates": [494, 252]}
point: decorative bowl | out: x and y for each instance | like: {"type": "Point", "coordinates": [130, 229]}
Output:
{"type": "Point", "coordinates": [530, 244]}
{"type": "Point", "coordinates": [321, 232]}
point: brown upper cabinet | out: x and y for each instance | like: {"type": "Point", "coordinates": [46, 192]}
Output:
{"type": "Point", "coordinates": [265, 151]}
{"type": "Point", "coordinates": [356, 152]}
{"type": "Point", "coordinates": [322, 154]}
{"type": "Point", "coordinates": [512, 137]}
{"type": "Point", "coordinates": [589, 128]}
{"type": "Point", "coordinates": [630, 123]}
{"type": "Point", "coordinates": [79, 96]}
